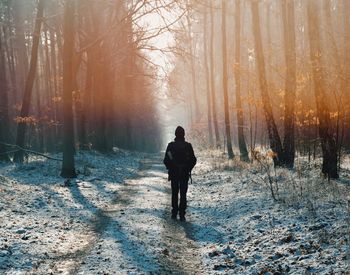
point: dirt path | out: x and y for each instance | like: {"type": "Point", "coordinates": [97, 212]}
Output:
{"type": "Point", "coordinates": [136, 233]}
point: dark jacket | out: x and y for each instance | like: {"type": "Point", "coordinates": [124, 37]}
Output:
{"type": "Point", "coordinates": [179, 159]}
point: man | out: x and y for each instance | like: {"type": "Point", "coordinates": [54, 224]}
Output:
{"type": "Point", "coordinates": [179, 160]}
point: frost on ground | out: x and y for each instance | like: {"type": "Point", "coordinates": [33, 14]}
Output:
{"type": "Point", "coordinates": [115, 219]}
{"type": "Point", "coordinates": [305, 232]}
{"type": "Point", "coordinates": [48, 224]}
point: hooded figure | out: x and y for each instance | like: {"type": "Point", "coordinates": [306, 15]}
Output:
{"type": "Point", "coordinates": [179, 160]}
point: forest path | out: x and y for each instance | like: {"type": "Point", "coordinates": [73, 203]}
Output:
{"type": "Point", "coordinates": [136, 234]}
{"type": "Point", "coordinates": [116, 220]}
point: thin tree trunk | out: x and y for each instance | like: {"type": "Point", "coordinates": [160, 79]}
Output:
{"type": "Point", "coordinates": [47, 100]}
{"type": "Point", "coordinates": [59, 118]}
{"type": "Point", "coordinates": [290, 90]}
{"type": "Point", "coordinates": [240, 119]}
{"type": "Point", "coordinates": [326, 133]}
{"type": "Point", "coordinates": [193, 70]}
{"type": "Point", "coordinates": [21, 128]}
{"type": "Point", "coordinates": [101, 138]}
{"type": "Point", "coordinates": [19, 7]}
{"type": "Point", "coordinates": [53, 57]}
{"type": "Point", "coordinates": [11, 62]}
{"type": "Point", "coordinates": [207, 78]}
{"type": "Point", "coordinates": [343, 87]}
{"type": "Point", "coordinates": [68, 165]}
{"type": "Point", "coordinates": [83, 139]}
{"type": "Point", "coordinates": [4, 115]}
{"type": "Point", "coordinates": [346, 57]}
{"type": "Point", "coordinates": [212, 78]}
{"type": "Point", "coordinates": [55, 75]}
{"type": "Point", "coordinates": [274, 138]}
{"type": "Point", "coordinates": [41, 139]}
{"type": "Point", "coordinates": [224, 82]}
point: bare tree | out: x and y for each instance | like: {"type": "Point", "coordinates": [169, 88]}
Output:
{"type": "Point", "coordinates": [4, 115]}
{"type": "Point", "coordinates": [212, 77]}
{"type": "Point", "coordinates": [193, 67]}
{"type": "Point", "coordinates": [19, 7]}
{"type": "Point", "coordinates": [325, 129]}
{"type": "Point", "coordinates": [207, 76]}
{"type": "Point", "coordinates": [290, 85]}
{"type": "Point", "coordinates": [68, 165]}
{"type": "Point", "coordinates": [274, 138]}
{"type": "Point", "coordinates": [240, 119]}
{"type": "Point", "coordinates": [224, 82]}
{"type": "Point", "coordinates": [21, 128]}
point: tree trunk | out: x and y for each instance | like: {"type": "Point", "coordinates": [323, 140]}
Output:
{"type": "Point", "coordinates": [326, 133]}
{"type": "Point", "coordinates": [11, 62]}
{"type": "Point", "coordinates": [59, 118]}
{"type": "Point", "coordinates": [224, 82]}
{"type": "Point", "coordinates": [343, 86]}
{"type": "Point", "coordinates": [193, 70]}
{"type": "Point", "coordinates": [55, 74]}
{"type": "Point", "coordinates": [207, 78]}
{"type": "Point", "coordinates": [100, 101]}
{"type": "Point", "coordinates": [212, 79]}
{"type": "Point", "coordinates": [83, 137]}
{"type": "Point", "coordinates": [346, 57]}
{"type": "Point", "coordinates": [290, 85]}
{"type": "Point", "coordinates": [4, 115]}
{"type": "Point", "coordinates": [68, 165]}
{"type": "Point", "coordinates": [274, 138]}
{"type": "Point", "coordinates": [21, 128]}
{"type": "Point", "coordinates": [40, 126]}
{"type": "Point", "coordinates": [19, 6]}
{"type": "Point", "coordinates": [240, 119]}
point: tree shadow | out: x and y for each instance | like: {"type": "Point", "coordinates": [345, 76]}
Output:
{"type": "Point", "coordinates": [102, 220]}
{"type": "Point", "coordinates": [96, 218]}
{"type": "Point", "coordinates": [201, 233]}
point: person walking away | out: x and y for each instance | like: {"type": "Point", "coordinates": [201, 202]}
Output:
{"type": "Point", "coordinates": [179, 159]}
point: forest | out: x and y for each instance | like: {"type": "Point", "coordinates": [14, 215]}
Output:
{"type": "Point", "coordinates": [268, 74]}
{"type": "Point", "coordinates": [74, 77]}
{"type": "Point", "coordinates": [91, 91]}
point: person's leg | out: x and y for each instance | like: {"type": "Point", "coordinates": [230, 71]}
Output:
{"type": "Point", "coordinates": [174, 198]}
{"type": "Point", "coordinates": [183, 199]}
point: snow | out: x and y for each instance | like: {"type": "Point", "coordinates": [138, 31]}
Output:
{"type": "Point", "coordinates": [297, 236]}
{"type": "Point", "coordinates": [115, 218]}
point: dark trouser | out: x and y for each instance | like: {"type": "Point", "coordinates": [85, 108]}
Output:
{"type": "Point", "coordinates": [177, 185]}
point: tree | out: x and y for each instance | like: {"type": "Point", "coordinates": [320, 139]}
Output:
{"type": "Point", "coordinates": [193, 69]}
{"type": "Point", "coordinates": [290, 84]}
{"type": "Point", "coordinates": [22, 125]}
{"type": "Point", "coordinates": [212, 77]}
{"type": "Point", "coordinates": [274, 138]}
{"type": "Point", "coordinates": [21, 71]}
{"type": "Point", "coordinates": [207, 76]}
{"type": "Point", "coordinates": [224, 82]}
{"type": "Point", "coordinates": [341, 75]}
{"type": "Point", "coordinates": [68, 165]}
{"type": "Point", "coordinates": [325, 129]}
{"type": "Point", "coordinates": [4, 116]}
{"type": "Point", "coordinates": [240, 119]}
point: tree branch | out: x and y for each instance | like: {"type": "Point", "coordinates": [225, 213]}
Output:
{"type": "Point", "coordinates": [28, 151]}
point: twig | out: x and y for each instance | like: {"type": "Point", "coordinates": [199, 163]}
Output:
{"type": "Point", "coordinates": [29, 151]}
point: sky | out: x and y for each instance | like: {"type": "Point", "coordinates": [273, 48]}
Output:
{"type": "Point", "coordinates": [163, 61]}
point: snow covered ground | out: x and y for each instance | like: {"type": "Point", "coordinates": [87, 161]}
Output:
{"type": "Point", "coordinates": [305, 232]}
{"type": "Point", "coordinates": [115, 219]}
